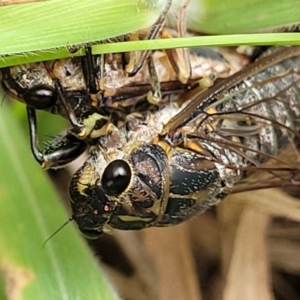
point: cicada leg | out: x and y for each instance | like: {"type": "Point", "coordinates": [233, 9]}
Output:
{"type": "Point", "coordinates": [199, 87]}
{"type": "Point", "coordinates": [94, 88]}
{"type": "Point", "coordinates": [88, 69]}
{"type": "Point", "coordinates": [77, 126]}
{"type": "Point", "coordinates": [92, 125]}
{"type": "Point", "coordinates": [58, 152]}
{"type": "Point", "coordinates": [96, 125]}
{"type": "Point", "coordinates": [154, 96]}
{"type": "Point", "coordinates": [137, 60]}
{"type": "Point", "coordinates": [181, 25]}
{"type": "Point", "coordinates": [179, 58]}
{"type": "Point", "coordinates": [132, 69]}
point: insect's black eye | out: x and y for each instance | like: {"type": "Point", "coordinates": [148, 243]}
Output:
{"type": "Point", "coordinates": [116, 177]}
{"type": "Point", "coordinates": [91, 234]}
{"type": "Point", "coordinates": [40, 97]}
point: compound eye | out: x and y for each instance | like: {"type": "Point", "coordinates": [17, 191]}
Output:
{"type": "Point", "coordinates": [40, 97]}
{"type": "Point", "coordinates": [116, 177]}
{"type": "Point", "coordinates": [91, 234]}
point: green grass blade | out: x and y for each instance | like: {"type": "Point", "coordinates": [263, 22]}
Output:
{"type": "Point", "coordinates": [30, 57]}
{"type": "Point", "coordinates": [201, 41]}
{"type": "Point", "coordinates": [30, 212]}
{"type": "Point", "coordinates": [79, 22]}
{"type": "Point", "coordinates": [58, 23]}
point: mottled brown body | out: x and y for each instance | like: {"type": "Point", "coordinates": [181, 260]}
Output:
{"type": "Point", "coordinates": [186, 159]}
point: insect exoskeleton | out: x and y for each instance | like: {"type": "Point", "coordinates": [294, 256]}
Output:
{"type": "Point", "coordinates": [186, 159]}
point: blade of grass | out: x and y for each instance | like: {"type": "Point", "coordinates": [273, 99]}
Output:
{"type": "Point", "coordinates": [70, 23]}
{"type": "Point", "coordinates": [201, 41]}
{"type": "Point", "coordinates": [30, 212]}
{"type": "Point", "coordinates": [58, 23]}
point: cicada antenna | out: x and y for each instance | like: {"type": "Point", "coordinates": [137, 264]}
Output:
{"type": "Point", "coordinates": [57, 230]}
{"type": "Point", "coordinates": [3, 98]}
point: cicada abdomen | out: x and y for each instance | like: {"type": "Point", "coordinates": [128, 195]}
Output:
{"type": "Point", "coordinates": [247, 128]}
{"type": "Point", "coordinates": [254, 119]}
{"type": "Point", "coordinates": [186, 159]}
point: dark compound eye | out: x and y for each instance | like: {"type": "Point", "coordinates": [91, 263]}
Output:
{"type": "Point", "coordinates": [40, 97]}
{"type": "Point", "coordinates": [116, 177]}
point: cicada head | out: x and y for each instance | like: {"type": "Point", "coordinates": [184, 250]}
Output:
{"type": "Point", "coordinates": [29, 83]}
{"type": "Point", "coordinates": [123, 192]}
{"type": "Point", "coordinates": [34, 83]}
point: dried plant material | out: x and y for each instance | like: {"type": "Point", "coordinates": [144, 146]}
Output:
{"type": "Point", "coordinates": [248, 275]}
{"type": "Point", "coordinates": [205, 235]}
{"type": "Point", "coordinates": [131, 287]}
{"type": "Point", "coordinates": [16, 279]}
{"type": "Point", "coordinates": [144, 275]}
{"type": "Point", "coordinates": [271, 201]}
{"type": "Point", "coordinates": [228, 215]}
{"type": "Point", "coordinates": [284, 255]}
{"type": "Point", "coordinates": [170, 251]}
{"type": "Point", "coordinates": [284, 289]}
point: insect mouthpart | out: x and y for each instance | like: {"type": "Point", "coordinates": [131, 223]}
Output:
{"type": "Point", "coordinates": [92, 209]}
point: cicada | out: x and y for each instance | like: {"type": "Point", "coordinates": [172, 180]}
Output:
{"type": "Point", "coordinates": [187, 159]}
{"type": "Point", "coordinates": [96, 96]}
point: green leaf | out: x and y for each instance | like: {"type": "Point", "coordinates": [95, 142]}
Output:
{"type": "Point", "coordinates": [80, 22]}
{"type": "Point", "coordinates": [57, 23]}
{"type": "Point", "coordinates": [30, 212]}
{"type": "Point", "coordinates": [201, 41]}
{"type": "Point", "coordinates": [236, 16]}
